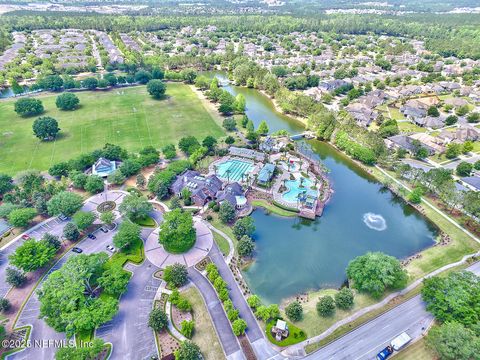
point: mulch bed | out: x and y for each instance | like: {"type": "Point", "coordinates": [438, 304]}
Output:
{"type": "Point", "coordinates": [203, 264]}
{"type": "Point", "coordinates": [247, 348]}
{"type": "Point", "coordinates": [179, 316]}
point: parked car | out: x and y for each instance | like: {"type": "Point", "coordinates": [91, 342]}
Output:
{"type": "Point", "coordinates": [63, 217]}
{"type": "Point", "coordinates": [102, 229]}
{"type": "Point", "coordinates": [111, 248]}
{"type": "Point", "coordinates": [77, 250]}
{"type": "Point", "coordinates": [385, 353]}
{"type": "Point", "coordinates": [25, 237]}
{"type": "Point", "coordinates": [91, 236]}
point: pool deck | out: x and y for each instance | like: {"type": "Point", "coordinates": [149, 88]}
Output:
{"type": "Point", "coordinates": [214, 165]}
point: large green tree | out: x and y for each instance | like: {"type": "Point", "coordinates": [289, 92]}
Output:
{"type": "Point", "coordinates": [135, 207]}
{"type": "Point", "coordinates": [176, 275]}
{"type": "Point", "coordinates": [88, 352]}
{"type": "Point", "coordinates": [244, 226]}
{"type": "Point", "coordinates": [32, 255]}
{"type": "Point", "coordinates": [6, 184]}
{"type": "Point", "coordinates": [455, 297]}
{"type": "Point", "coordinates": [127, 234]}
{"type": "Point", "coordinates": [69, 297]}
{"type": "Point", "coordinates": [177, 233]}
{"type": "Point", "coordinates": [66, 203]}
{"type": "Point", "coordinates": [375, 272]}
{"type": "Point", "coordinates": [28, 107]}
{"type": "Point", "coordinates": [83, 219]}
{"type": "Point", "coordinates": [453, 341]}
{"type": "Point", "coordinates": [188, 351]}
{"type": "Point", "coordinates": [156, 88]}
{"type": "Point", "coordinates": [45, 128]}
{"type": "Point", "coordinates": [21, 217]}
{"type": "Point", "coordinates": [67, 101]}
{"type": "Point", "coordinates": [158, 319]}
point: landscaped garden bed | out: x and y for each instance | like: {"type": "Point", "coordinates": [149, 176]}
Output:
{"type": "Point", "coordinates": [247, 348]}
{"type": "Point", "coordinates": [295, 336]}
{"type": "Point", "coordinates": [203, 264]}
{"type": "Point", "coordinates": [106, 206]}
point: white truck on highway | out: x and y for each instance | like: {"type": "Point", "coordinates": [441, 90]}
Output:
{"type": "Point", "coordinates": [400, 341]}
{"type": "Point", "coordinates": [395, 345]}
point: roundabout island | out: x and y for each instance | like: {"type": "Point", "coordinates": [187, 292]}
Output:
{"type": "Point", "coordinates": [159, 256]}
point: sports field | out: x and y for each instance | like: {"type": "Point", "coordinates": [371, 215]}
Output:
{"type": "Point", "coordinates": [127, 117]}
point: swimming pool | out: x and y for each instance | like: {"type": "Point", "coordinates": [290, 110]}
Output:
{"type": "Point", "coordinates": [294, 189]}
{"type": "Point", "coordinates": [234, 169]}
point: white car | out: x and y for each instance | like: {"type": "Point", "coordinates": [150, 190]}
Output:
{"type": "Point", "coordinates": [111, 248]}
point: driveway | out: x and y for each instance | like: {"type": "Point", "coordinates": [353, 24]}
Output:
{"type": "Point", "coordinates": [369, 339]}
{"type": "Point", "coordinates": [41, 332]}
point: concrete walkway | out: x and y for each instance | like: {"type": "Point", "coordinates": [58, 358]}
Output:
{"type": "Point", "coordinates": [158, 256]}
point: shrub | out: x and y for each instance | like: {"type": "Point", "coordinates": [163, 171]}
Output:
{"type": "Point", "coordinates": [156, 88]}
{"type": "Point", "coordinates": [232, 314]}
{"type": "Point", "coordinates": [15, 277]}
{"type": "Point", "coordinates": [4, 305]}
{"type": "Point", "coordinates": [344, 299]}
{"type": "Point", "coordinates": [326, 306]}
{"type": "Point", "coordinates": [158, 319]}
{"type": "Point", "coordinates": [176, 275]}
{"type": "Point", "coordinates": [187, 328]}
{"type": "Point", "coordinates": [294, 311]}
{"type": "Point", "coordinates": [254, 301]}
{"type": "Point", "coordinates": [239, 326]}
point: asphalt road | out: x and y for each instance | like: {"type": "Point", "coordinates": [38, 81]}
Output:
{"type": "Point", "coordinates": [222, 324]}
{"type": "Point", "coordinates": [128, 331]}
{"type": "Point", "coordinates": [53, 226]}
{"type": "Point", "coordinates": [41, 332]}
{"type": "Point", "coordinates": [369, 339]}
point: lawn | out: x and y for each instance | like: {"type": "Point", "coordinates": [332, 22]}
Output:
{"type": "Point", "coordinates": [204, 335]}
{"type": "Point", "coordinates": [313, 324]}
{"type": "Point", "coordinates": [437, 256]}
{"type": "Point", "coordinates": [417, 351]}
{"type": "Point", "coordinates": [134, 253]}
{"type": "Point", "coordinates": [296, 335]}
{"type": "Point", "coordinates": [128, 117]}
{"type": "Point", "coordinates": [407, 126]}
{"type": "Point", "coordinates": [273, 208]}
{"type": "Point", "coordinates": [222, 243]}
{"type": "Point", "coordinates": [146, 222]}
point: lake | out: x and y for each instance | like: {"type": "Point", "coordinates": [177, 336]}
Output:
{"type": "Point", "coordinates": [294, 255]}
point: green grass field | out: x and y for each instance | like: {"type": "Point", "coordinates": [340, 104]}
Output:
{"type": "Point", "coordinates": [127, 117]}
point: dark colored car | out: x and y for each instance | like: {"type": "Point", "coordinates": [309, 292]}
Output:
{"type": "Point", "coordinates": [77, 250]}
{"type": "Point", "coordinates": [91, 236]}
{"type": "Point", "coordinates": [385, 353]}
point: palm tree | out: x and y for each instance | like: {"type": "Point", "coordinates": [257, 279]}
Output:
{"type": "Point", "coordinates": [228, 175]}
